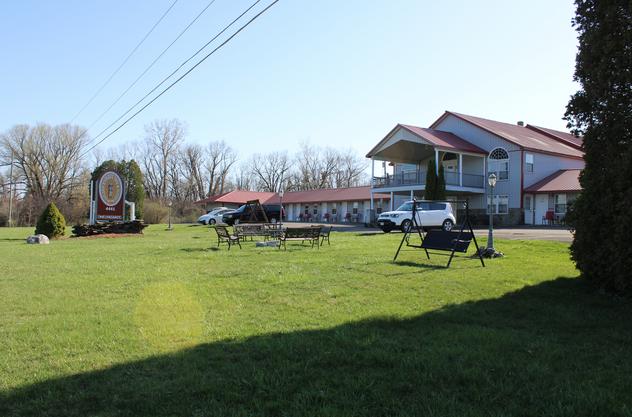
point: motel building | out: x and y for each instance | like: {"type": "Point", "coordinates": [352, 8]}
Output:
{"type": "Point", "coordinates": [335, 205]}
{"type": "Point", "coordinates": [537, 169]}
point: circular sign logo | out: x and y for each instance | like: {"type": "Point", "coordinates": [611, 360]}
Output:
{"type": "Point", "coordinates": [111, 188]}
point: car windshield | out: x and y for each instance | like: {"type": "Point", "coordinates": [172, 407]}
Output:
{"type": "Point", "coordinates": [405, 207]}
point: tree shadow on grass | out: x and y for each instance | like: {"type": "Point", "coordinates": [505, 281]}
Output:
{"type": "Point", "coordinates": [193, 250]}
{"type": "Point", "coordinates": [546, 350]}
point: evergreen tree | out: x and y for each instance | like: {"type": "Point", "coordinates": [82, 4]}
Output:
{"type": "Point", "coordinates": [51, 222]}
{"type": "Point", "coordinates": [440, 187]}
{"type": "Point", "coordinates": [135, 188]}
{"type": "Point", "coordinates": [602, 111]}
{"type": "Point", "coordinates": [431, 181]}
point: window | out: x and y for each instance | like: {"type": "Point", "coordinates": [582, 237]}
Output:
{"type": "Point", "coordinates": [306, 210]}
{"type": "Point", "coordinates": [315, 211]}
{"type": "Point", "coordinates": [355, 207]}
{"type": "Point", "coordinates": [527, 202]}
{"type": "Point", "coordinates": [498, 163]}
{"type": "Point", "coordinates": [528, 160]}
{"type": "Point", "coordinates": [500, 205]}
{"type": "Point", "coordinates": [560, 203]}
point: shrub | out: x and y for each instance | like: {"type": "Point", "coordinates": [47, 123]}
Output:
{"type": "Point", "coordinates": [51, 222]}
{"type": "Point", "coordinates": [154, 212]}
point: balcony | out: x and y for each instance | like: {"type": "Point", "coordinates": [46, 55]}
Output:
{"type": "Point", "coordinates": [453, 180]}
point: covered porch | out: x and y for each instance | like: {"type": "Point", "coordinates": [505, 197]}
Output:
{"type": "Point", "coordinates": [405, 152]}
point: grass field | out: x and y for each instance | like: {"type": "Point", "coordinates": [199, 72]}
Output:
{"type": "Point", "coordinates": [162, 325]}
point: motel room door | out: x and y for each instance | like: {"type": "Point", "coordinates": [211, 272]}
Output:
{"type": "Point", "coordinates": [541, 206]}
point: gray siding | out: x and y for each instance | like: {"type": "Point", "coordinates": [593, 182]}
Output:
{"type": "Point", "coordinates": [488, 141]}
{"type": "Point", "coordinates": [545, 165]}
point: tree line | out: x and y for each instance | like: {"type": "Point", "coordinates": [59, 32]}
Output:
{"type": "Point", "coordinates": [49, 166]}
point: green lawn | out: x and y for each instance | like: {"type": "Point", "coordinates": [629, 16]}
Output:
{"type": "Point", "coordinates": [162, 325]}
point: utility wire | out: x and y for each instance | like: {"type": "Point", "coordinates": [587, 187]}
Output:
{"type": "Point", "coordinates": [186, 73]}
{"type": "Point", "coordinates": [149, 67]}
{"type": "Point", "coordinates": [176, 70]}
{"type": "Point", "coordinates": [124, 61]}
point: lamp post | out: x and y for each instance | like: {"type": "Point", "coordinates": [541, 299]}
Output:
{"type": "Point", "coordinates": [281, 192]}
{"type": "Point", "coordinates": [170, 203]}
{"type": "Point", "coordinates": [491, 180]}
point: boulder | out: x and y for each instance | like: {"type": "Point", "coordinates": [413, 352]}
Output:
{"type": "Point", "coordinates": [37, 240]}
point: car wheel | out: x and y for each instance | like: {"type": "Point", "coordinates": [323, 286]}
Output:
{"type": "Point", "coordinates": [447, 225]}
{"type": "Point", "coordinates": [406, 225]}
{"type": "Point", "coordinates": [204, 222]}
{"type": "Point", "coordinates": [386, 230]}
{"type": "Point", "coordinates": [211, 222]}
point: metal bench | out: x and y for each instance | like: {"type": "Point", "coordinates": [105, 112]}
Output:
{"type": "Point", "coordinates": [224, 236]}
{"type": "Point", "coordinates": [309, 234]}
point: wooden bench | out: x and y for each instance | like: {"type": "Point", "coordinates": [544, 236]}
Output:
{"type": "Point", "coordinates": [309, 234]}
{"type": "Point", "coordinates": [224, 236]}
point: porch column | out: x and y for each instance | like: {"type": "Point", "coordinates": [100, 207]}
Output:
{"type": "Point", "coordinates": [371, 206]}
{"type": "Point", "coordinates": [437, 161]}
{"type": "Point", "coordinates": [460, 170]}
{"type": "Point", "coordinates": [372, 171]}
{"type": "Point", "coordinates": [391, 202]}
{"type": "Point", "coordinates": [412, 194]}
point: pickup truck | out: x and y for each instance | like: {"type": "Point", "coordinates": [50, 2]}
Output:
{"type": "Point", "coordinates": [243, 214]}
{"type": "Point", "coordinates": [429, 214]}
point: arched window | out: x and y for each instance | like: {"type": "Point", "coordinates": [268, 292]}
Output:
{"type": "Point", "coordinates": [498, 163]}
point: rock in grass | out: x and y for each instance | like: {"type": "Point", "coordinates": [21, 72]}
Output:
{"type": "Point", "coordinates": [37, 240]}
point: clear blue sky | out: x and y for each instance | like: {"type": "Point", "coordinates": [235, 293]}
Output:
{"type": "Point", "coordinates": [337, 73]}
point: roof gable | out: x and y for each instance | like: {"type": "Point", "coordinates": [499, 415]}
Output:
{"type": "Point", "coordinates": [436, 138]}
{"type": "Point", "coordinates": [520, 136]}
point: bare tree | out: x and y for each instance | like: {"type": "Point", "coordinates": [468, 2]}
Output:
{"type": "Point", "coordinates": [270, 170]}
{"type": "Point", "coordinates": [193, 165]}
{"type": "Point", "coordinates": [47, 158]}
{"type": "Point", "coordinates": [220, 158]}
{"type": "Point", "coordinates": [163, 139]}
{"type": "Point", "coordinates": [351, 170]}
{"type": "Point", "coordinates": [243, 179]}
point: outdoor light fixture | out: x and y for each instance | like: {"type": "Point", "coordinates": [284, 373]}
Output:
{"type": "Point", "coordinates": [491, 180]}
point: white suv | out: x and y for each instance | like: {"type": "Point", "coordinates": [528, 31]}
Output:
{"type": "Point", "coordinates": [429, 214]}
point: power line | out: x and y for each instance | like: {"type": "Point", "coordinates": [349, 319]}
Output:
{"type": "Point", "coordinates": [176, 70]}
{"type": "Point", "coordinates": [186, 73]}
{"type": "Point", "coordinates": [150, 66]}
{"type": "Point", "coordinates": [124, 61]}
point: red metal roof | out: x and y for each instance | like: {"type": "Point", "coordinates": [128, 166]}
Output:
{"type": "Point", "coordinates": [332, 194]}
{"type": "Point", "coordinates": [564, 180]}
{"type": "Point", "coordinates": [240, 197]}
{"type": "Point", "coordinates": [519, 135]}
{"type": "Point", "coordinates": [567, 138]}
{"type": "Point", "coordinates": [443, 139]}
{"type": "Point", "coordinates": [311, 196]}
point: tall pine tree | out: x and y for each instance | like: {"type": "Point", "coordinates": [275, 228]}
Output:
{"type": "Point", "coordinates": [440, 187]}
{"type": "Point", "coordinates": [601, 111]}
